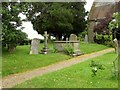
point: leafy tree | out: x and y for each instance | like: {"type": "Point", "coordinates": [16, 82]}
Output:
{"type": "Point", "coordinates": [10, 21]}
{"type": "Point", "coordinates": [59, 19]}
{"type": "Point", "coordinates": [102, 26]}
{"type": "Point", "coordinates": [115, 26]}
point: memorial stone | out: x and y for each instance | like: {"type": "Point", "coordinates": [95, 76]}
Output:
{"type": "Point", "coordinates": [34, 48]}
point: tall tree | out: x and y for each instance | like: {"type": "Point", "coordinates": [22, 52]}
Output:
{"type": "Point", "coordinates": [10, 21]}
{"type": "Point", "coordinates": [59, 19]}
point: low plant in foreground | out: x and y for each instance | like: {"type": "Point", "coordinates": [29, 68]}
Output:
{"type": "Point", "coordinates": [69, 49]}
{"type": "Point", "coordinates": [95, 66]}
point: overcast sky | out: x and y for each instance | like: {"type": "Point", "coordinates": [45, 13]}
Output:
{"type": "Point", "coordinates": [33, 34]}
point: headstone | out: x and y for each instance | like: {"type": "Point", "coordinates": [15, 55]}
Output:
{"type": "Point", "coordinates": [86, 38]}
{"type": "Point", "coordinates": [116, 45]}
{"type": "Point", "coordinates": [66, 39]}
{"type": "Point", "coordinates": [73, 37]}
{"type": "Point", "coordinates": [34, 48]}
{"type": "Point", "coordinates": [45, 48]}
{"type": "Point", "coordinates": [75, 44]}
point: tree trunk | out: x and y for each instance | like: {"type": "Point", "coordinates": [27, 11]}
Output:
{"type": "Point", "coordinates": [11, 48]}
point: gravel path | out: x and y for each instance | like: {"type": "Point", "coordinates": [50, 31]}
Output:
{"type": "Point", "coordinates": [12, 80]}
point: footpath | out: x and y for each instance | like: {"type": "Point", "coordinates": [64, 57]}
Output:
{"type": "Point", "coordinates": [12, 80]}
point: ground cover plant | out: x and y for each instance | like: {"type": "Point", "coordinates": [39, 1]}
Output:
{"type": "Point", "coordinates": [76, 76]}
{"type": "Point", "coordinates": [21, 61]}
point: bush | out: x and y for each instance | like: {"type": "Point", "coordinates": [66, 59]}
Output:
{"type": "Point", "coordinates": [54, 50]}
{"type": "Point", "coordinates": [104, 39]}
{"type": "Point", "coordinates": [82, 35]}
{"type": "Point", "coordinates": [69, 49]}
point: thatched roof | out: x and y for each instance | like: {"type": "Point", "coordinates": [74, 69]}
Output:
{"type": "Point", "coordinates": [101, 9]}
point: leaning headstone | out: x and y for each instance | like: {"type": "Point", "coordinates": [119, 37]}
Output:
{"type": "Point", "coordinates": [34, 48]}
{"type": "Point", "coordinates": [86, 38]}
{"type": "Point", "coordinates": [73, 37]}
{"type": "Point", "coordinates": [115, 41]}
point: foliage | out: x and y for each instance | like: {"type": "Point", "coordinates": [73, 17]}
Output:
{"type": "Point", "coordinates": [104, 39]}
{"type": "Point", "coordinates": [54, 50]}
{"type": "Point", "coordinates": [95, 67]}
{"type": "Point", "coordinates": [82, 34]}
{"type": "Point", "coordinates": [114, 25]}
{"type": "Point", "coordinates": [101, 27]}
{"type": "Point", "coordinates": [58, 19]}
{"type": "Point", "coordinates": [69, 49]}
{"type": "Point", "coordinates": [10, 21]}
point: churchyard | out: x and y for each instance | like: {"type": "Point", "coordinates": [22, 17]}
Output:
{"type": "Point", "coordinates": [21, 61]}
{"type": "Point", "coordinates": [84, 53]}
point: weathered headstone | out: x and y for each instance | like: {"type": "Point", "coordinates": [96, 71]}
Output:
{"type": "Point", "coordinates": [75, 44]}
{"type": "Point", "coordinates": [45, 48]}
{"type": "Point", "coordinates": [86, 38]}
{"type": "Point", "coordinates": [34, 48]}
{"type": "Point", "coordinates": [73, 37]}
{"type": "Point", "coordinates": [116, 45]}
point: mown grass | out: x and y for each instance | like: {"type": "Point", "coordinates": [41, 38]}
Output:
{"type": "Point", "coordinates": [91, 47]}
{"type": "Point", "coordinates": [77, 76]}
{"type": "Point", "coordinates": [21, 61]}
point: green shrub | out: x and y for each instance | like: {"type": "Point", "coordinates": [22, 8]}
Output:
{"type": "Point", "coordinates": [54, 50]}
{"type": "Point", "coordinates": [99, 36]}
{"type": "Point", "coordinates": [81, 36]}
{"type": "Point", "coordinates": [104, 39]}
{"type": "Point", "coordinates": [69, 49]}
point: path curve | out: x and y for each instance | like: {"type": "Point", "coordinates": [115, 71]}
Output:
{"type": "Point", "coordinates": [12, 80]}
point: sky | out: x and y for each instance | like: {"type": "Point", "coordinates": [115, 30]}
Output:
{"type": "Point", "coordinates": [28, 27]}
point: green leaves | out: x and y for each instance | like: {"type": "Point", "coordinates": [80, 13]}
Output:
{"type": "Point", "coordinates": [57, 18]}
{"type": "Point", "coordinates": [10, 21]}
{"type": "Point", "coordinates": [116, 22]}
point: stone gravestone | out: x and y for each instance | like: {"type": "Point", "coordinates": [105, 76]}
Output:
{"type": "Point", "coordinates": [34, 48]}
{"type": "Point", "coordinates": [75, 44]}
{"type": "Point", "coordinates": [86, 38]}
{"type": "Point", "coordinates": [73, 37]}
{"type": "Point", "coordinates": [45, 48]}
{"type": "Point", "coordinates": [115, 41]}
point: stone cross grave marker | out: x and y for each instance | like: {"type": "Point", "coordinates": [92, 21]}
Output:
{"type": "Point", "coordinates": [45, 38]}
{"type": "Point", "coordinates": [73, 37]}
{"type": "Point", "coordinates": [34, 46]}
{"type": "Point", "coordinates": [45, 48]}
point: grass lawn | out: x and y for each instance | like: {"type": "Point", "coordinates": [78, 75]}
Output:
{"type": "Point", "coordinates": [21, 61]}
{"type": "Point", "coordinates": [91, 47]}
{"type": "Point", "coordinates": [77, 76]}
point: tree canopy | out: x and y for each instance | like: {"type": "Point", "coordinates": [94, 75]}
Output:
{"type": "Point", "coordinates": [58, 19]}
{"type": "Point", "coordinates": [10, 21]}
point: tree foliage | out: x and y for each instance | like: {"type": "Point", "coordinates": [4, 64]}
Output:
{"type": "Point", "coordinates": [115, 25]}
{"type": "Point", "coordinates": [58, 19]}
{"type": "Point", "coordinates": [102, 26]}
{"type": "Point", "coordinates": [10, 21]}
